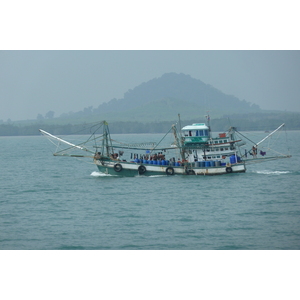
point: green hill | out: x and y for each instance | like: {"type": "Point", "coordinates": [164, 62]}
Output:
{"type": "Point", "coordinates": [162, 99]}
{"type": "Point", "coordinates": [154, 105]}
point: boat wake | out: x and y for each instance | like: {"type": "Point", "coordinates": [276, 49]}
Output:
{"type": "Point", "coordinates": [150, 176]}
{"type": "Point", "coordinates": [266, 172]}
{"type": "Point", "coordinates": [99, 174]}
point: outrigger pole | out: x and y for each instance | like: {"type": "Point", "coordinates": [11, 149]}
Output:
{"type": "Point", "coordinates": [270, 134]}
{"type": "Point", "coordinates": [63, 141]}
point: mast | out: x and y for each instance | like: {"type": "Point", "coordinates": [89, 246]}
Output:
{"type": "Point", "coordinates": [180, 127]}
{"type": "Point", "coordinates": [178, 142]}
{"type": "Point", "coordinates": [106, 143]}
{"type": "Point", "coordinates": [175, 135]}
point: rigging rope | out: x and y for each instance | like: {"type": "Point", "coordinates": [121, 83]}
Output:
{"type": "Point", "coordinates": [161, 139]}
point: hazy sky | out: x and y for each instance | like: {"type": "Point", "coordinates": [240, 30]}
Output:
{"type": "Point", "coordinates": [33, 82]}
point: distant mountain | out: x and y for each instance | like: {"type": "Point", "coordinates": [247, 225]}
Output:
{"type": "Point", "coordinates": [153, 106]}
{"type": "Point", "coordinates": [161, 99]}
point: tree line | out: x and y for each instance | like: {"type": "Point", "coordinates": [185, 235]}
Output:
{"type": "Point", "coordinates": [250, 122]}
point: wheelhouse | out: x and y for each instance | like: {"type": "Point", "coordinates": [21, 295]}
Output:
{"type": "Point", "coordinates": [196, 133]}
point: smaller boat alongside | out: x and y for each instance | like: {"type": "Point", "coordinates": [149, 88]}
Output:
{"type": "Point", "coordinates": [194, 151]}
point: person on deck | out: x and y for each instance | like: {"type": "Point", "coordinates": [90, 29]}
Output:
{"type": "Point", "coordinates": [97, 155]}
{"type": "Point", "coordinates": [254, 151]}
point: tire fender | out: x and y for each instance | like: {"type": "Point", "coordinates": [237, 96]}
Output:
{"type": "Point", "coordinates": [118, 167]}
{"type": "Point", "coordinates": [170, 171]}
{"type": "Point", "coordinates": [142, 169]}
{"type": "Point", "coordinates": [228, 170]}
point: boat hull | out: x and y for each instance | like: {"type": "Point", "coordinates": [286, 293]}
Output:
{"type": "Point", "coordinates": [133, 169]}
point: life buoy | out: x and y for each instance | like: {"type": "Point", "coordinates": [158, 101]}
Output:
{"type": "Point", "coordinates": [170, 171]}
{"type": "Point", "coordinates": [142, 169]}
{"type": "Point", "coordinates": [228, 170]}
{"type": "Point", "coordinates": [118, 167]}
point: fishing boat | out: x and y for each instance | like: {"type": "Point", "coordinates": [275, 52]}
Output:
{"type": "Point", "coordinates": [194, 151]}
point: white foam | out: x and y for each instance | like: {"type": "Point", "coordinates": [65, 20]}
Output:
{"type": "Point", "coordinates": [266, 172]}
{"type": "Point", "coordinates": [99, 174]}
{"type": "Point", "coordinates": [150, 176]}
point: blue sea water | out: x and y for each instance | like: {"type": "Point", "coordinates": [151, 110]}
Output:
{"type": "Point", "coordinates": [63, 203]}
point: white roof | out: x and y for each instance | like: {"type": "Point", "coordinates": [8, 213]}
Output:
{"type": "Point", "coordinates": [195, 126]}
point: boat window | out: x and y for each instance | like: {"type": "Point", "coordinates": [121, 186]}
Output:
{"type": "Point", "coordinates": [225, 141]}
{"type": "Point", "coordinates": [206, 132]}
{"type": "Point", "coordinates": [190, 133]}
{"type": "Point", "coordinates": [197, 133]}
{"type": "Point", "coordinates": [201, 132]}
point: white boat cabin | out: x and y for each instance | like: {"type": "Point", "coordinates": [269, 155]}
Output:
{"type": "Point", "coordinates": [196, 133]}
{"type": "Point", "coordinates": [201, 146]}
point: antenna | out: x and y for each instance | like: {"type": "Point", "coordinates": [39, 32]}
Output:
{"type": "Point", "coordinates": [229, 121]}
{"type": "Point", "coordinates": [208, 123]}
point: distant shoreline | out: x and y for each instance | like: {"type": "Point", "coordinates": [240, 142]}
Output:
{"type": "Point", "coordinates": [251, 122]}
